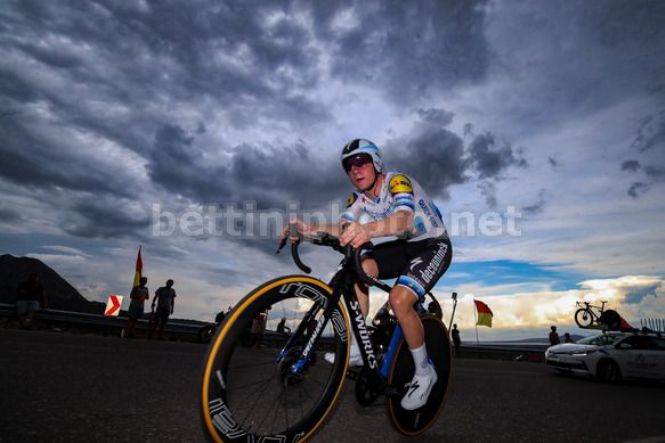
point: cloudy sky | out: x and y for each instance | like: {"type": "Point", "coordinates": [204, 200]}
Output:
{"type": "Point", "coordinates": [537, 127]}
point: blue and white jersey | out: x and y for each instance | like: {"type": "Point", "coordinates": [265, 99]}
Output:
{"type": "Point", "coordinates": [398, 193]}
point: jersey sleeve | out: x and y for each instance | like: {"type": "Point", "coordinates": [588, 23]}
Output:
{"type": "Point", "coordinates": [401, 191]}
{"type": "Point", "coordinates": [353, 208]}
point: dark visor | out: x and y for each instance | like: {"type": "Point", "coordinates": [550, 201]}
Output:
{"type": "Point", "coordinates": [356, 160]}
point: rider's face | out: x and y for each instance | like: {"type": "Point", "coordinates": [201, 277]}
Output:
{"type": "Point", "coordinates": [362, 176]}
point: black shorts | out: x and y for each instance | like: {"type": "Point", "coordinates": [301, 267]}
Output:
{"type": "Point", "coordinates": [416, 265]}
{"type": "Point", "coordinates": [162, 315]}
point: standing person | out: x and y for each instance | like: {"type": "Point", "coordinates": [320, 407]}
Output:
{"type": "Point", "coordinates": [165, 300]}
{"type": "Point", "coordinates": [138, 297]}
{"type": "Point", "coordinates": [554, 336]}
{"type": "Point", "coordinates": [567, 338]}
{"type": "Point", "coordinates": [457, 342]}
{"type": "Point", "coordinates": [30, 297]}
{"type": "Point", "coordinates": [396, 206]}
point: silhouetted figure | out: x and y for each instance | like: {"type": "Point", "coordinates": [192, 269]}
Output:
{"type": "Point", "coordinates": [258, 326]}
{"type": "Point", "coordinates": [554, 336]}
{"type": "Point", "coordinates": [30, 297]}
{"type": "Point", "coordinates": [219, 318]}
{"type": "Point", "coordinates": [457, 342]}
{"type": "Point", "coordinates": [281, 325]}
{"type": "Point", "coordinates": [165, 300]}
{"type": "Point", "coordinates": [434, 308]}
{"type": "Point", "coordinates": [567, 338]}
{"type": "Point", "coordinates": [138, 296]}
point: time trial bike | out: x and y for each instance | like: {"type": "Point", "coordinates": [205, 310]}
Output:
{"type": "Point", "coordinates": [279, 391]}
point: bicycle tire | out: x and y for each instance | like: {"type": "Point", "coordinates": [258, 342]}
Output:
{"type": "Point", "coordinates": [583, 318]}
{"type": "Point", "coordinates": [247, 396]}
{"type": "Point", "coordinates": [416, 422]}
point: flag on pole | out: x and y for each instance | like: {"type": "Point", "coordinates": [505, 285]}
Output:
{"type": "Point", "coordinates": [139, 270]}
{"type": "Point", "coordinates": [484, 314]}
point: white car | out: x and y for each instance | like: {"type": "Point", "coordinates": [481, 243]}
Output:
{"type": "Point", "coordinates": [611, 356]}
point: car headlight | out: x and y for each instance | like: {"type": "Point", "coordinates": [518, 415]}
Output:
{"type": "Point", "coordinates": [582, 353]}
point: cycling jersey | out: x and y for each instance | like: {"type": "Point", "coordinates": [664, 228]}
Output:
{"type": "Point", "coordinates": [399, 193]}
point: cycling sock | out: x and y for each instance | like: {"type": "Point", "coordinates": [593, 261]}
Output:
{"type": "Point", "coordinates": [420, 360]}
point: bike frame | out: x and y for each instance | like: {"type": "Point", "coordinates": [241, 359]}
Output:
{"type": "Point", "coordinates": [588, 307]}
{"type": "Point", "coordinates": [342, 286]}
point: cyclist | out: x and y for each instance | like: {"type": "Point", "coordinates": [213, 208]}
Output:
{"type": "Point", "coordinates": [393, 204]}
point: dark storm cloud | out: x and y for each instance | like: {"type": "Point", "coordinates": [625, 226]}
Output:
{"type": "Point", "coordinates": [637, 189]}
{"type": "Point", "coordinates": [651, 133]}
{"type": "Point", "coordinates": [162, 55]}
{"type": "Point", "coordinates": [408, 49]}
{"type": "Point", "coordinates": [29, 158]}
{"type": "Point", "coordinates": [576, 58]}
{"type": "Point", "coordinates": [438, 158]}
{"type": "Point", "coordinates": [269, 175]}
{"type": "Point", "coordinates": [433, 155]}
{"type": "Point", "coordinates": [489, 158]}
{"type": "Point", "coordinates": [436, 116]}
{"type": "Point", "coordinates": [9, 215]}
{"type": "Point", "coordinates": [636, 295]}
{"type": "Point", "coordinates": [105, 218]}
{"type": "Point", "coordinates": [538, 207]}
{"type": "Point", "coordinates": [630, 165]}
{"type": "Point", "coordinates": [488, 190]}
{"type": "Point", "coordinates": [649, 147]}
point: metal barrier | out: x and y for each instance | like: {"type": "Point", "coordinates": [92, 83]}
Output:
{"type": "Point", "coordinates": [107, 325]}
{"type": "Point", "coordinates": [191, 331]}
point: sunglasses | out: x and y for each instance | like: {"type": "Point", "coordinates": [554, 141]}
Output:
{"type": "Point", "coordinates": [358, 161]}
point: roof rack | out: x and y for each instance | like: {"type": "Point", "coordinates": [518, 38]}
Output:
{"type": "Point", "coordinates": [653, 325]}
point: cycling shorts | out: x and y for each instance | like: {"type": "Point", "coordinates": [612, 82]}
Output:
{"type": "Point", "coordinates": [416, 265]}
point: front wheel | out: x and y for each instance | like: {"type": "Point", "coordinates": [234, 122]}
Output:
{"type": "Point", "coordinates": [274, 390]}
{"type": "Point", "coordinates": [608, 371]}
{"type": "Point", "coordinates": [402, 369]}
{"type": "Point", "coordinates": [583, 318]}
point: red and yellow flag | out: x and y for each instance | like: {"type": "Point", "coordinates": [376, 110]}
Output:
{"type": "Point", "coordinates": [484, 314]}
{"type": "Point", "coordinates": [139, 270]}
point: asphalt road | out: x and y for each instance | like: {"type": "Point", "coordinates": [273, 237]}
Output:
{"type": "Point", "coordinates": [58, 387]}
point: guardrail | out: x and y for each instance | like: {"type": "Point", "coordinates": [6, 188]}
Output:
{"type": "Point", "coordinates": [192, 332]}
{"type": "Point", "coordinates": [106, 324]}
{"type": "Point", "coordinates": [516, 352]}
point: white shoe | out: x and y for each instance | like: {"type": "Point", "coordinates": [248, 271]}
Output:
{"type": "Point", "coordinates": [418, 390]}
{"type": "Point", "coordinates": [355, 359]}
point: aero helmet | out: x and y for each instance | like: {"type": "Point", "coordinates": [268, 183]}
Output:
{"type": "Point", "coordinates": [362, 146]}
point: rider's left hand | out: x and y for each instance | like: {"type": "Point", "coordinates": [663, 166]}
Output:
{"type": "Point", "coordinates": [354, 234]}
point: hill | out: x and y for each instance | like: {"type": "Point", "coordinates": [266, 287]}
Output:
{"type": "Point", "coordinates": [61, 295]}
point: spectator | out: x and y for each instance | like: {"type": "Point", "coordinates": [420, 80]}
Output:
{"type": "Point", "coordinates": [554, 336]}
{"type": "Point", "coordinates": [165, 300]}
{"type": "Point", "coordinates": [219, 318]}
{"type": "Point", "coordinates": [281, 325]}
{"type": "Point", "coordinates": [434, 308]}
{"type": "Point", "coordinates": [457, 342]}
{"type": "Point", "coordinates": [258, 325]}
{"type": "Point", "coordinates": [30, 297]}
{"type": "Point", "coordinates": [138, 296]}
{"type": "Point", "coordinates": [567, 338]}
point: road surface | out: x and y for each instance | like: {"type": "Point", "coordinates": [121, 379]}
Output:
{"type": "Point", "coordinates": [57, 387]}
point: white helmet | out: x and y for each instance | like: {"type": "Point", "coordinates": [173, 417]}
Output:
{"type": "Point", "coordinates": [362, 146]}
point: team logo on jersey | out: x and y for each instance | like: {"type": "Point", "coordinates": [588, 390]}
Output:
{"type": "Point", "coordinates": [352, 199]}
{"type": "Point", "coordinates": [400, 183]}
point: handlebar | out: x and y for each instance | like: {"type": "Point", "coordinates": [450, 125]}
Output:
{"type": "Point", "coordinates": [325, 239]}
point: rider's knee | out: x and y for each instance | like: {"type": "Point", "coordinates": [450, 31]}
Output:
{"type": "Point", "coordinates": [401, 300]}
{"type": "Point", "coordinates": [370, 267]}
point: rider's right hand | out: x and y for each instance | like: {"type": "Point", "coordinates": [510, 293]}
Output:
{"type": "Point", "coordinates": [301, 227]}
